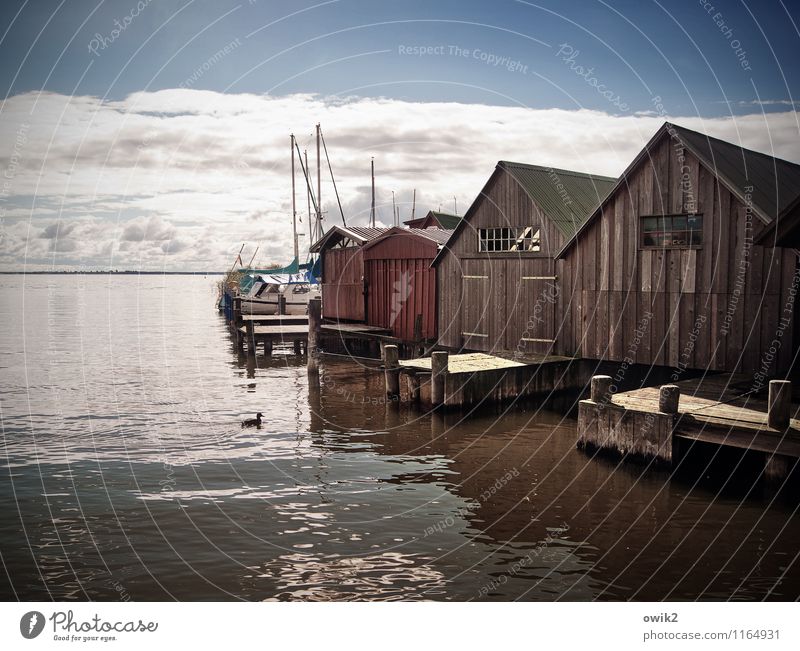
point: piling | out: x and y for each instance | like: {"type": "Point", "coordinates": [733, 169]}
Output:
{"type": "Point", "coordinates": [268, 347]}
{"type": "Point", "coordinates": [297, 350]}
{"type": "Point", "coordinates": [601, 389]}
{"type": "Point", "coordinates": [392, 372]}
{"type": "Point", "coordinates": [668, 397]}
{"type": "Point", "coordinates": [281, 304]}
{"type": "Point", "coordinates": [413, 387]}
{"type": "Point", "coordinates": [251, 338]}
{"type": "Point", "coordinates": [237, 312]}
{"type": "Point", "coordinates": [314, 324]}
{"type": "Point", "coordinates": [439, 364]}
{"type": "Point", "coordinates": [779, 404]}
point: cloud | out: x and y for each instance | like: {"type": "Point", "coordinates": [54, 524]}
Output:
{"type": "Point", "coordinates": [192, 174]}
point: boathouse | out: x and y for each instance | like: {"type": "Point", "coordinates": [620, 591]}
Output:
{"type": "Point", "coordinates": [343, 288]}
{"type": "Point", "coordinates": [400, 283]}
{"type": "Point", "coordinates": [498, 289]}
{"type": "Point", "coordinates": [667, 270]}
{"type": "Point", "coordinates": [435, 219]}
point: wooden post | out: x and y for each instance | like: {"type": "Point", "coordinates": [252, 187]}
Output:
{"type": "Point", "coordinates": [392, 372]}
{"type": "Point", "coordinates": [314, 323]}
{"type": "Point", "coordinates": [237, 312]}
{"type": "Point", "coordinates": [413, 387]}
{"type": "Point", "coordinates": [601, 389]}
{"type": "Point", "coordinates": [281, 304]}
{"type": "Point", "coordinates": [439, 364]}
{"type": "Point", "coordinates": [251, 337]}
{"type": "Point", "coordinates": [668, 398]}
{"type": "Point", "coordinates": [268, 347]}
{"type": "Point", "coordinates": [780, 404]}
{"type": "Point", "coordinates": [418, 328]}
{"type": "Point", "coordinates": [297, 347]}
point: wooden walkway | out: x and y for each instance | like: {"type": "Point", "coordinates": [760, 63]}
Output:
{"type": "Point", "coordinates": [476, 363]}
{"type": "Point", "coordinates": [276, 319]}
{"type": "Point", "coordinates": [721, 409]}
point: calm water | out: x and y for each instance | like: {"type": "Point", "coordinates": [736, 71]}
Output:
{"type": "Point", "coordinates": [125, 475]}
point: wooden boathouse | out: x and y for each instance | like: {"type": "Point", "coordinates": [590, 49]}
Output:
{"type": "Point", "coordinates": [343, 281]}
{"type": "Point", "coordinates": [668, 271]}
{"type": "Point", "coordinates": [400, 283]}
{"type": "Point", "coordinates": [498, 267]}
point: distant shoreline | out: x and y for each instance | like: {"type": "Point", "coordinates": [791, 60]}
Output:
{"type": "Point", "coordinates": [113, 273]}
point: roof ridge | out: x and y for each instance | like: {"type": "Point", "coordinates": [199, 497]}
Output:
{"type": "Point", "coordinates": [558, 170]}
{"type": "Point", "coordinates": [732, 144]}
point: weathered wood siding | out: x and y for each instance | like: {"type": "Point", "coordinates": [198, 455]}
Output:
{"type": "Point", "coordinates": [402, 286]}
{"type": "Point", "coordinates": [718, 306]}
{"type": "Point", "coordinates": [343, 284]}
{"type": "Point", "coordinates": [499, 301]}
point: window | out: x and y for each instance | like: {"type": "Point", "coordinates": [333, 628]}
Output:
{"type": "Point", "coordinates": [509, 239]}
{"type": "Point", "coordinates": [672, 230]}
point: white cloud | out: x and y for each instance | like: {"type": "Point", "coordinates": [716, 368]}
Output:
{"type": "Point", "coordinates": [191, 174]}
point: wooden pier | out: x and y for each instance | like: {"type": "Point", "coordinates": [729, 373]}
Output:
{"type": "Point", "coordinates": [662, 423]}
{"type": "Point", "coordinates": [467, 379]}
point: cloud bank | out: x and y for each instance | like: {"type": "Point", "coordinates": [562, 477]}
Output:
{"type": "Point", "coordinates": [179, 179]}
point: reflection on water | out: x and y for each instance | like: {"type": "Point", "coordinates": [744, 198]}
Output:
{"type": "Point", "coordinates": [125, 472]}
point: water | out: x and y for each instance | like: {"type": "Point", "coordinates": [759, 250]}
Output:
{"type": "Point", "coordinates": [125, 475]}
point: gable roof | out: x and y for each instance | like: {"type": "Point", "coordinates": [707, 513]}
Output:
{"type": "Point", "coordinates": [565, 196]}
{"type": "Point", "coordinates": [775, 182]}
{"type": "Point", "coordinates": [446, 220]}
{"type": "Point", "coordinates": [438, 236]}
{"type": "Point", "coordinates": [359, 234]}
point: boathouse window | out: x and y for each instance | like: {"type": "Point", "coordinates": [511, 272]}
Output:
{"type": "Point", "coordinates": [509, 239]}
{"type": "Point", "coordinates": [672, 230]}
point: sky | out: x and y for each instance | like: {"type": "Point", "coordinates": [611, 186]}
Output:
{"type": "Point", "coordinates": [154, 134]}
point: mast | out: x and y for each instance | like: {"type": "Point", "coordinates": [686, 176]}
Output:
{"type": "Point", "coordinates": [455, 206]}
{"type": "Point", "coordinates": [308, 198]}
{"type": "Point", "coordinates": [394, 211]}
{"type": "Point", "coordinates": [414, 203]}
{"type": "Point", "coordinates": [294, 208]}
{"type": "Point", "coordinates": [372, 210]}
{"type": "Point", "coordinates": [319, 188]}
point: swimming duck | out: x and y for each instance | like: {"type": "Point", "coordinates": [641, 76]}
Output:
{"type": "Point", "coordinates": [253, 422]}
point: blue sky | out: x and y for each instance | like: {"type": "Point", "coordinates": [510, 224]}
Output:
{"type": "Point", "coordinates": [674, 49]}
{"type": "Point", "coordinates": [164, 144]}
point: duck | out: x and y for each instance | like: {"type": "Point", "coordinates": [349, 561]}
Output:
{"type": "Point", "coordinates": [253, 422]}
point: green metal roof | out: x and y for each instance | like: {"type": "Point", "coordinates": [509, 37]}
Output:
{"type": "Point", "coordinates": [446, 220]}
{"type": "Point", "coordinates": [775, 182]}
{"type": "Point", "coordinates": [566, 197]}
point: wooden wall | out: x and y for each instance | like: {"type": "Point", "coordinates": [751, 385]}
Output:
{"type": "Point", "coordinates": [715, 307]}
{"type": "Point", "coordinates": [343, 284]}
{"type": "Point", "coordinates": [499, 301]}
{"type": "Point", "coordinates": [402, 285]}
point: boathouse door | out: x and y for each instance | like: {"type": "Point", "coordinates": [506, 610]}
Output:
{"type": "Point", "coordinates": [475, 304]}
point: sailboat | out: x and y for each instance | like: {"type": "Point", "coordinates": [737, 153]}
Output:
{"type": "Point", "coordinates": [288, 289]}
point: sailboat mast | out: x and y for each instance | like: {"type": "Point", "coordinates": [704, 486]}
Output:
{"type": "Point", "coordinates": [294, 208]}
{"type": "Point", "coordinates": [308, 199]}
{"type": "Point", "coordinates": [372, 210]}
{"type": "Point", "coordinates": [394, 211]}
{"type": "Point", "coordinates": [319, 188]}
{"type": "Point", "coordinates": [414, 204]}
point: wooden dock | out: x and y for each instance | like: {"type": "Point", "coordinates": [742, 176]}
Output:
{"type": "Point", "coordinates": [467, 379]}
{"type": "Point", "coordinates": [722, 410]}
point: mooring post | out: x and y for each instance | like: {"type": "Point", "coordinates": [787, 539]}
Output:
{"type": "Point", "coordinates": [392, 373]}
{"type": "Point", "coordinates": [314, 323]}
{"type": "Point", "coordinates": [413, 387]}
{"type": "Point", "coordinates": [668, 398]}
{"type": "Point", "coordinates": [439, 363]}
{"type": "Point", "coordinates": [268, 347]}
{"type": "Point", "coordinates": [251, 337]}
{"type": "Point", "coordinates": [237, 312]}
{"type": "Point", "coordinates": [779, 405]}
{"type": "Point", "coordinates": [297, 350]}
{"type": "Point", "coordinates": [601, 389]}
{"type": "Point", "coordinates": [281, 304]}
